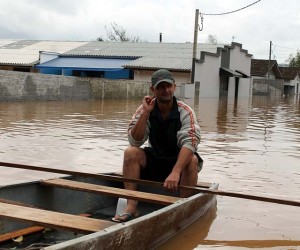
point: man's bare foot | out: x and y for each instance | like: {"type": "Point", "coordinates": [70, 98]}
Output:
{"type": "Point", "coordinates": [129, 213]}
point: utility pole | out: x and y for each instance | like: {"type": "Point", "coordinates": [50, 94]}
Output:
{"type": "Point", "coordinates": [270, 55]}
{"type": "Point", "coordinates": [195, 46]}
{"type": "Point", "coordinates": [269, 66]}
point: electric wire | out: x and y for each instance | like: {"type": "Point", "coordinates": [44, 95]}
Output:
{"type": "Point", "coordinates": [230, 12]}
{"type": "Point", "coordinates": [200, 27]}
{"type": "Point", "coordinates": [284, 47]}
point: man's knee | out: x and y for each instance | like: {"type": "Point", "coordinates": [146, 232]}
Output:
{"type": "Point", "coordinates": [193, 167]}
{"type": "Point", "coordinates": [132, 153]}
{"type": "Point", "coordinates": [130, 150]}
{"type": "Point", "coordinates": [189, 176]}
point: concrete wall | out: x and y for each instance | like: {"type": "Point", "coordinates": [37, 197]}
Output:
{"type": "Point", "coordinates": [295, 84]}
{"type": "Point", "coordinates": [207, 74]}
{"type": "Point", "coordinates": [17, 86]}
{"type": "Point", "coordinates": [267, 87]}
{"type": "Point", "coordinates": [240, 61]}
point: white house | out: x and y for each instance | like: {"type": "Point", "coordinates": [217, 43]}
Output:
{"type": "Point", "coordinates": [291, 77]}
{"type": "Point", "coordinates": [226, 72]}
{"type": "Point", "coordinates": [267, 77]}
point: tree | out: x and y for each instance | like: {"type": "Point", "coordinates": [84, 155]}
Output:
{"type": "Point", "coordinates": [294, 61]}
{"type": "Point", "coordinates": [212, 39]}
{"type": "Point", "coordinates": [117, 33]}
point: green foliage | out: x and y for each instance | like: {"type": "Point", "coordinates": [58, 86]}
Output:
{"type": "Point", "coordinates": [294, 61]}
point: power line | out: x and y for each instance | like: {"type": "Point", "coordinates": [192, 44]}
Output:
{"type": "Point", "coordinates": [230, 12]}
{"type": "Point", "coordinates": [284, 47]}
{"type": "Point", "coordinates": [224, 13]}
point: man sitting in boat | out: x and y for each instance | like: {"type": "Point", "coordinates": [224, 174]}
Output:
{"type": "Point", "coordinates": [171, 128]}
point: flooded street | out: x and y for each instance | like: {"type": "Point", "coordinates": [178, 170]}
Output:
{"type": "Point", "coordinates": [248, 146]}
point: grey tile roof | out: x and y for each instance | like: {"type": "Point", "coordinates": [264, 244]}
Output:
{"type": "Point", "coordinates": [260, 67]}
{"type": "Point", "coordinates": [289, 73]}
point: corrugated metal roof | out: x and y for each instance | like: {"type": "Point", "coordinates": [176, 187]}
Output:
{"type": "Point", "coordinates": [112, 49]}
{"type": "Point", "coordinates": [18, 57]}
{"type": "Point", "coordinates": [85, 63]}
{"type": "Point", "coordinates": [20, 44]}
{"type": "Point", "coordinates": [183, 64]}
{"type": "Point", "coordinates": [177, 56]}
{"type": "Point", "coordinates": [26, 52]}
{"type": "Point", "coordinates": [4, 42]}
{"type": "Point", "coordinates": [149, 55]}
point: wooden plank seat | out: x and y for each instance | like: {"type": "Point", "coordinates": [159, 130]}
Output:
{"type": "Point", "coordinates": [117, 192]}
{"type": "Point", "coordinates": [74, 223]}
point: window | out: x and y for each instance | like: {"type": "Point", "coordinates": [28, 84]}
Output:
{"type": "Point", "coordinates": [88, 73]}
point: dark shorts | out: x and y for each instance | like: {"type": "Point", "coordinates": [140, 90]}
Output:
{"type": "Point", "coordinates": [159, 168]}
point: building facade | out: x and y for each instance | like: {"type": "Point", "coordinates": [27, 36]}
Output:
{"type": "Point", "coordinates": [220, 70]}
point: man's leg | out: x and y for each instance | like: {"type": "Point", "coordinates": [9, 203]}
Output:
{"type": "Point", "coordinates": [189, 177]}
{"type": "Point", "coordinates": [134, 160]}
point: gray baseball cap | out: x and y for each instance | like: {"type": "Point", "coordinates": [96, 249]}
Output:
{"type": "Point", "coordinates": [161, 75]}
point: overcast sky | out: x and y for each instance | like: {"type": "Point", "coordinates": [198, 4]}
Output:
{"type": "Point", "coordinates": [85, 20]}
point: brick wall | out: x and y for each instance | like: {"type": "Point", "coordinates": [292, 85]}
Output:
{"type": "Point", "coordinates": [17, 86]}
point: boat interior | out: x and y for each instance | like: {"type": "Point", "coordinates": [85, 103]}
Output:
{"type": "Point", "coordinates": [47, 212]}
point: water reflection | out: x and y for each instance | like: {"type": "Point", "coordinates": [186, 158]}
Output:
{"type": "Point", "coordinates": [250, 146]}
{"type": "Point", "coordinates": [258, 244]}
{"type": "Point", "coordinates": [87, 136]}
{"type": "Point", "coordinates": [191, 236]}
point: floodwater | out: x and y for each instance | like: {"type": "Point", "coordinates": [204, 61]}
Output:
{"type": "Point", "coordinates": [248, 146]}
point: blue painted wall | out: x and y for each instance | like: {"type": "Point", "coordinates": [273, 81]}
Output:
{"type": "Point", "coordinates": [50, 71]}
{"type": "Point", "coordinates": [114, 74]}
{"type": "Point", "coordinates": [120, 74]}
{"type": "Point", "coordinates": [67, 72]}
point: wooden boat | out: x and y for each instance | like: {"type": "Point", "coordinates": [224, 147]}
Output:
{"type": "Point", "coordinates": [74, 212]}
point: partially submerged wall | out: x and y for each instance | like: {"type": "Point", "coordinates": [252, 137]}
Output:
{"type": "Point", "coordinates": [267, 87]}
{"type": "Point", "coordinates": [18, 86]}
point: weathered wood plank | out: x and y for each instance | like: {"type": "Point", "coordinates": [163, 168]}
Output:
{"type": "Point", "coordinates": [21, 232]}
{"type": "Point", "coordinates": [52, 219]}
{"type": "Point", "coordinates": [117, 192]}
{"type": "Point", "coordinates": [26, 231]}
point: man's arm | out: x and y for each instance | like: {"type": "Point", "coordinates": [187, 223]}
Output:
{"type": "Point", "coordinates": [184, 158]}
{"type": "Point", "coordinates": [137, 128]}
{"type": "Point", "coordinates": [189, 133]}
{"type": "Point", "coordinates": [188, 139]}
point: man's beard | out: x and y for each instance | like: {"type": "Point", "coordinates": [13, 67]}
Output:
{"type": "Point", "coordinates": [166, 100]}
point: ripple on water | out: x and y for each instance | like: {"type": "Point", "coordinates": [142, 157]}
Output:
{"type": "Point", "coordinates": [248, 146]}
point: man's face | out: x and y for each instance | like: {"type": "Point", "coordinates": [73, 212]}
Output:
{"type": "Point", "coordinates": [164, 92]}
